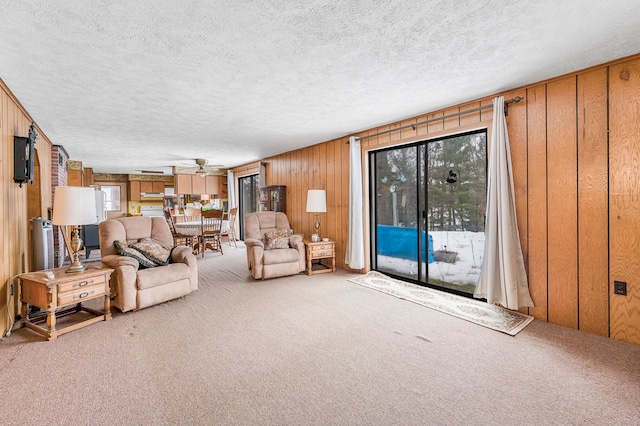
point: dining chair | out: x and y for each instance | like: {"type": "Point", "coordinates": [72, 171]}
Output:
{"type": "Point", "coordinates": [231, 232]}
{"type": "Point", "coordinates": [210, 235]}
{"type": "Point", "coordinates": [178, 238]}
{"type": "Point", "coordinates": [192, 214]}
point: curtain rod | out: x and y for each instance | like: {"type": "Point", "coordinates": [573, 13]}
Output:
{"type": "Point", "coordinates": [456, 114]}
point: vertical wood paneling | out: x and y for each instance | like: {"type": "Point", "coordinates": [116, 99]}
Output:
{"type": "Point", "coordinates": [344, 208]}
{"type": "Point", "coordinates": [537, 199]}
{"type": "Point", "coordinates": [409, 131]}
{"type": "Point", "coordinates": [487, 114]}
{"type": "Point", "coordinates": [471, 118]}
{"type": "Point", "coordinates": [435, 126]}
{"type": "Point", "coordinates": [624, 198]}
{"type": "Point", "coordinates": [322, 184]}
{"type": "Point", "coordinates": [379, 140]}
{"type": "Point", "coordinates": [5, 247]}
{"type": "Point", "coordinates": [14, 207]}
{"type": "Point", "coordinates": [330, 185]}
{"type": "Point", "coordinates": [340, 188]}
{"type": "Point", "coordinates": [452, 122]}
{"type": "Point", "coordinates": [517, 129]}
{"type": "Point", "coordinates": [562, 202]}
{"type": "Point", "coordinates": [422, 129]}
{"type": "Point", "coordinates": [395, 135]}
{"type": "Point", "coordinates": [593, 202]}
{"type": "Point", "coordinates": [304, 187]}
{"type": "Point", "coordinates": [298, 199]}
{"type": "Point", "coordinates": [369, 141]}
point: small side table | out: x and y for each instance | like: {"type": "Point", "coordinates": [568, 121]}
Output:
{"type": "Point", "coordinates": [318, 251]}
{"type": "Point", "coordinates": [64, 290]}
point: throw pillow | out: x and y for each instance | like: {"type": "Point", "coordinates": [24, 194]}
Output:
{"type": "Point", "coordinates": [153, 251]}
{"type": "Point", "coordinates": [276, 240]}
{"type": "Point", "coordinates": [126, 250]}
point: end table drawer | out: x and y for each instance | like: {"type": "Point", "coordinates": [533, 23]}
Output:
{"type": "Point", "coordinates": [84, 293]}
{"type": "Point", "coordinates": [321, 250]}
{"type": "Point", "coordinates": [80, 284]}
{"type": "Point", "coordinates": [321, 254]}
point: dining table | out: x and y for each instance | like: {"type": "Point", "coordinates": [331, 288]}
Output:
{"type": "Point", "coordinates": [194, 228]}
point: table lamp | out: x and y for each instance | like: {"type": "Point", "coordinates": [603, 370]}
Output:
{"type": "Point", "coordinates": [317, 203]}
{"type": "Point", "coordinates": [74, 206]}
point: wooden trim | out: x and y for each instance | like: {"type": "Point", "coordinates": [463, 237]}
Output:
{"type": "Point", "coordinates": [425, 137]}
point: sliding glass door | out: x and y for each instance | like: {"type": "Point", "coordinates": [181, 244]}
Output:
{"type": "Point", "coordinates": [428, 201]}
{"type": "Point", "coordinates": [248, 194]}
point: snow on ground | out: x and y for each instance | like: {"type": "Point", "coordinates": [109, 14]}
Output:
{"type": "Point", "coordinates": [469, 247]}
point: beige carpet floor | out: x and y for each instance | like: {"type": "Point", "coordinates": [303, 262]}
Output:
{"type": "Point", "coordinates": [313, 350]}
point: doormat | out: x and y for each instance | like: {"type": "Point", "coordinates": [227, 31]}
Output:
{"type": "Point", "coordinates": [481, 313]}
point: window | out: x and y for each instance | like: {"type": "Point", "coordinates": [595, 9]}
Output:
{"type": "Point", "coordinates": [112, 197]}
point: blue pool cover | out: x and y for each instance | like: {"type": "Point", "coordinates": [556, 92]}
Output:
{"type": "Point", "coordinates": [395, 241]}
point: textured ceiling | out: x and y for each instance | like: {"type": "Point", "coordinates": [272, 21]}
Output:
{"type": "Point", "coordinates": [149, 84]}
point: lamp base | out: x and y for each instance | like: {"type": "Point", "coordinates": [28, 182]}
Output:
{"type": "Point", "coordinates": [76, 245]}
{"type": "Point", "coordinates": [79, 267]}
{"type": "Point", "coordinates": [316, 226]}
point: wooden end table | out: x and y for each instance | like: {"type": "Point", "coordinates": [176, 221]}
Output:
{"type": "Point", "coordinates": [63, 295]}
{"type": "Point", "coordinates": [318, 251]}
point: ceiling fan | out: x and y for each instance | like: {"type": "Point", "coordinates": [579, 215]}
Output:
{"type": "Point", "coordinates": [201, 162]}
{"type": "Point", "coordinates": [203, 167]}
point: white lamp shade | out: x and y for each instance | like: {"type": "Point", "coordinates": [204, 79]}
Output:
{"type": "Point", "coordinates": [74, 205]}
{"type": "Point", "coordinates": [316, 201]}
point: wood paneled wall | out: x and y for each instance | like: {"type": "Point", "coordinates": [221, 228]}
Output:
{"type": "Point", "coordinates": [624, 198]}
{"type": "Point", "coordinates": [18, 202]}
{"type": "Point", "coordinates": [575, 144]}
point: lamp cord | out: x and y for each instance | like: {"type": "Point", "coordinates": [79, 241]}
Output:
{"type": "Point", "coordinates": [11, 322]}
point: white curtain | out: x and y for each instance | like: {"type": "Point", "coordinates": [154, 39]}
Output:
{"type": "Point", "coordinates": [262, 176]}
{"type": "Point", "coordinates": [231, 190]}
{"type": "Point", "coordinates": [503, 279]}
{"type": "Point", "coordinates": [355, 238]}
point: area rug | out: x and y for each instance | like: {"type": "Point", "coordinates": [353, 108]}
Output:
{"type": "Point", "coordinates": [481, 313]}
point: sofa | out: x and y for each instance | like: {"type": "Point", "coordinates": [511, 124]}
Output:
{"type": "Point", "coordinates": [137, 282]}
{"type": "Point", "coordinates": [272, 250]}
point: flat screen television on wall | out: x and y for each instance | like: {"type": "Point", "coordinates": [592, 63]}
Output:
{"type": "Point", "coordinates": [23, 157]}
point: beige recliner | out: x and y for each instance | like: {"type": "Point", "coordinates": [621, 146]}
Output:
{"type": "Point", "coordinates": [133, 287]}
{"type": "Point", "coordinates": [267, 258]}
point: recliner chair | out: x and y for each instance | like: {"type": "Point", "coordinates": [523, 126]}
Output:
{"type": "Point", "coordinates": [271, 249]}
{"type": "Point", "coordinates": [133, 287]}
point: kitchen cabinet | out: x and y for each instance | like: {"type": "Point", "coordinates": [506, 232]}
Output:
{"type": "Point", "coordinates": [182, 184]}
{"type": "Point", "coordinates": [151, 186]}
{"type": "Point", "coordinates": [134, 190]}
{"type": "Point", "coordinates": [146, 186]}
{"type": "Point", "coordinates": [197, 184]}
{"type": "Point", "coordinates": [138, 187]}
{"type": "Point", "coordinates": [211, 185]}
